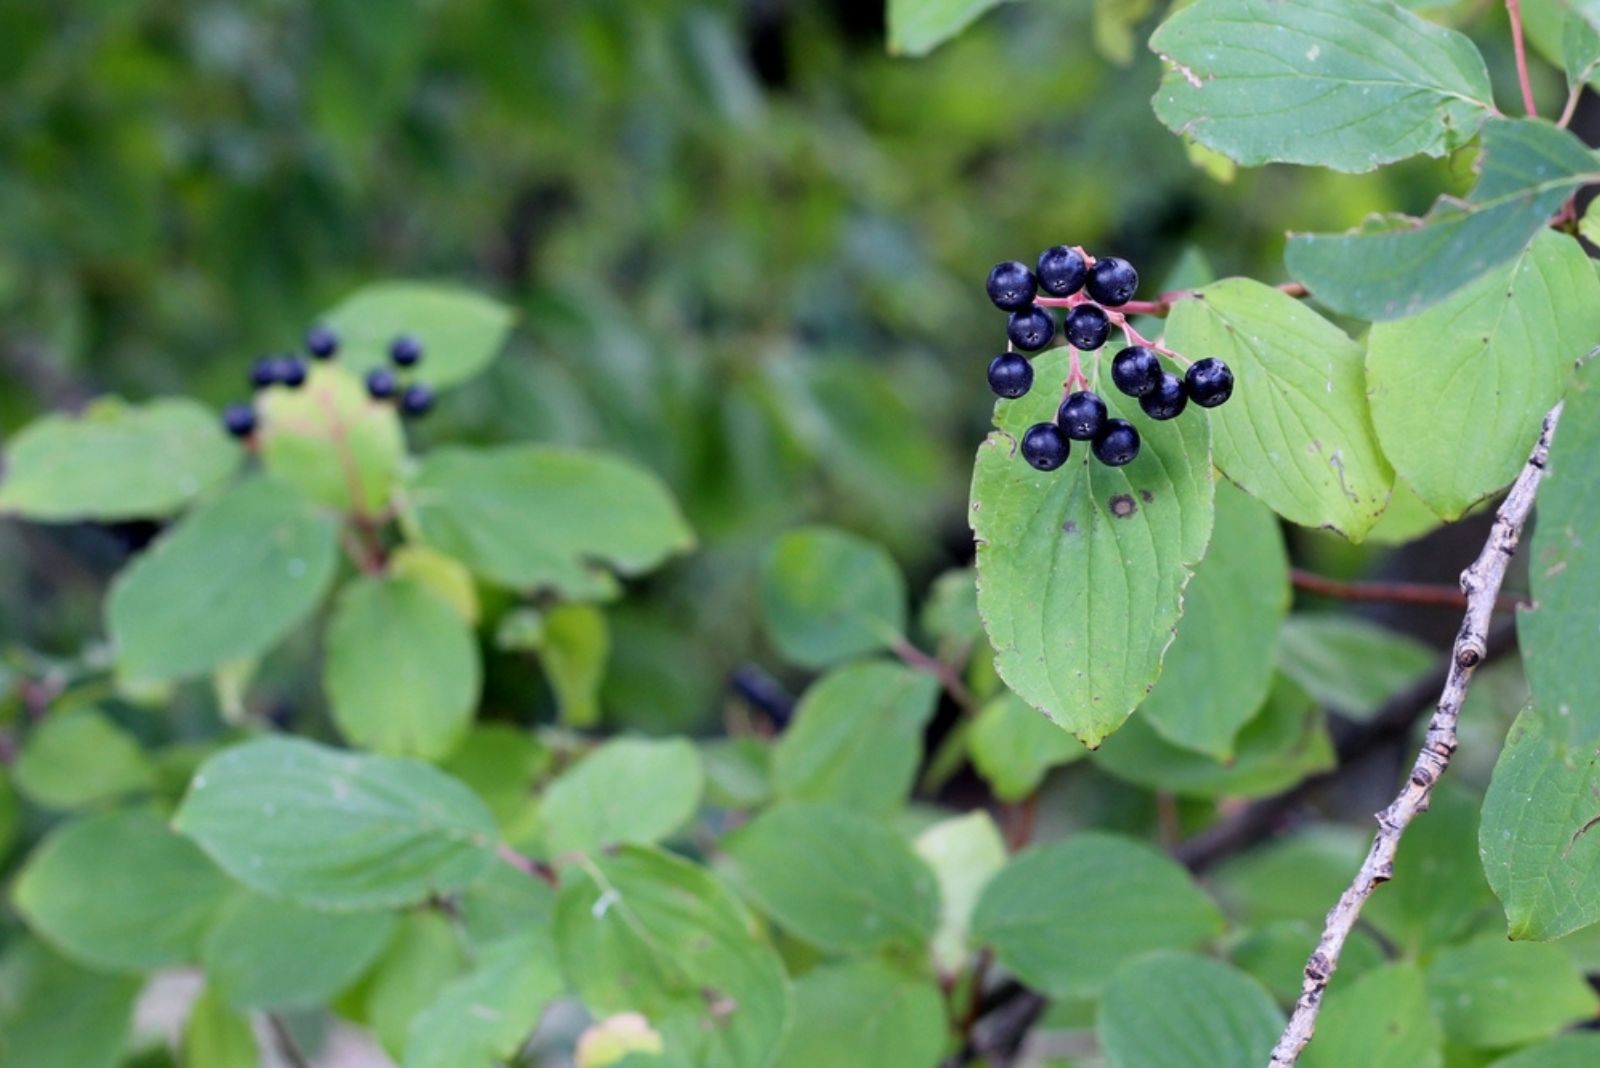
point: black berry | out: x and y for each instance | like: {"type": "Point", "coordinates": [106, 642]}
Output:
{"type": "Point", "coordinates": [1087, 327]}
{"type": "Point", "coordinates": [381, 384]}
{"type": "Point", "coordinates": [1136, 371]}
{"type": "Point", "coordinates": [1061, 271]}
{"type": "Point", "coordinates": [1081, 416]}
{"type": "Point", "coordinates": [1209, 382]}
{"type": "Point", "coordinates": [1045, 447]}
{"type": "Point", "coordinates": [291, 371]}
{"type": "Point", "coordinates": [416, 400]}
{"type": "Point", "coordinates": [1118, 444]}
{"type": "Point", "coordinates": [1011, 286]}
{"type": "Point", "coordinates": [239, 420]}
{"type": "Point", "coordinates": [1031, 329]}
{"type": "Point", "coordinates": [1010, 375]}
{"type": "Point", "coordinates": [1113, 281]}
{"type": "Point", "coordinates": [264, 372]}
{"type": "Point", "coordinates": [1167, 400]}
{"type": "Point", "coordinates": [322, 342]}
{"type": "Point", "coordinates": [405, 351]}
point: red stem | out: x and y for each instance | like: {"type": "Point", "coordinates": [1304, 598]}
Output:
{"type": "Point", "coordinates": [1514, 10]}
{"type": "Point", "coordinates": [1416, 593]}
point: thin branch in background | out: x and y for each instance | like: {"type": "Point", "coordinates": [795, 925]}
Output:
{"type": "Point", "coordinates": [948, 675]}
{"type": "Point", "coordinates": [1415, 593]}
{"type": "Point", "coordinates": [1481, 582]}
{"type": "Point", "coordinates": [529, 866]}
{"type": "Point", "coordinates": [1518, 45]}
{"type": "Point", "coordinates": [288, 1048]}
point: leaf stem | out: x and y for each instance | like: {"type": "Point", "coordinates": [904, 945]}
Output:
{"type": "Point", "coordinates": [528, 865]}
{"type": "Point", "coordinates": [1417, 593]}
{"type": "Point", "coordinates": [1518, 45]}
{"type": "Point", "coordinates": [946, 673]}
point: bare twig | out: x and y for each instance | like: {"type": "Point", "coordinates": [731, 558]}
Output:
{"type": "Point", "coordinates": [1418, 593]}
{"type": "Point", "coordinates": [1481, 583]}
{"type": "Point", "coordinates": [1514, 10]}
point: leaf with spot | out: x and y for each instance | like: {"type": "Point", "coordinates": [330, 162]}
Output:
{"type": "Point", "coordinates": [1081, 570]}
{"type": "Point", "coordinates": [1394, 267]}
{"type": "Point", "coordinates": [1297, 433]}
{"type": "Point", "coordinates": [1346, 84]}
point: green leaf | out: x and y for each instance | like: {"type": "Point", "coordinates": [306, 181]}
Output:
{"type": "Point", "coordinates": [506, 905]}
{"type": "Point", "coordinates": [1564, 1051]}
{"type": "Point", "coordinates": [481, 1019]}
{"type": "Point", "coordinates": [643, 931]}
{"type": "Point", "coordinates": [1291, 878]}
{"type": "Point", "coordinates": [1539, 848]}
{"type": "Point", "coordinates": [294, 819]}
{"type": "Point", "coordinates": [1275, 954]}
{"type": "Point", "coordinates": [573, 645]}
{"type": "Point", "coordinates": [1405, 519]}
{"type": "Point", "coordinates": [1297, 434]}
{"type": "Point", "coordinates": [1438, 892]}
{"type": "Point", "coordinates": [331, 441]}
{"type": "Point", "coordinates": [1557, 633]}
{"type": "Point", "coordinates": [1580, 47]}
{"type": "Point", "coordinates": [856, 739]}
{"type": "Point", "coordinates": [445, 576]}
{"type": "Point", "coordinates": [1065, 916]}
{"type": "Point", "coordinates": [425, 956]}
{"type": "Point", "coordinates": [115, 461]}
{"type": "Point", "coordinates": [62, 1016]}
{"type": "Point", "coordinates": [1458, 392]}
{"type": "Point", "coordinates": [1493, 993]}
{"type": "Point", "coordinates": [842, 882]}
{"type": "Point", "coordinates": [828, 595]}
{"type": "Point", "coordinates": [269, 954]}
{"type": "Point", "coordinates": [738, 772]}
{"type": "Point", "coordinates": [78, 759]}
{"type": "Point", "coordinates": [917, 27]}
{"type": "Point", "coordinates": [1392, 268]}
{"type": "Point", "coordinates": [401, 668]}
{"type": "Point", "coordinates": [1219, 667]}
{"type": "Point", "coordinates": [1330, 83]}
{"type": "Point", "coordinates": [227, 583]}
{"type": "Point", "coordinates": [532, 517]}
{"type": "Point", "coordinates": [1081, 570]}
{"type": "Point", "coordinates": [120, 892]}
{"type": "Point", "coordinates": [1284, 741]}
{"type": "Point", "coordinates": [460, 331]}
{"type": "Point", "coordinates": [1014, 747]}
{"type": "Point", "coordinates": [1177, 1010]}
{"type": "Point", "coordinates": [950, 613]}
{"type": "Point", "coordinates": [864, 1014]}
{"type": "Point", "coordinates": [500, 763]}
{"type": "Point", "coordinates": [964, 852]}
{"type": "Point", "coordinates": [1348, 664]}
{"type": "Point", "coordinates": [1382, 1020]}
{"type": "Point", "coordinates": [216, 1036]}
{"type": "Point", "coordinates": [628, 790]}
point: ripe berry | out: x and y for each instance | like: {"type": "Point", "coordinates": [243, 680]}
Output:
{"type": "Point", "coordinates": [264, 372]}
{"type": "Point", "coordinates": [1011, 286]}
{"type": "Point", "coordinates": [405, 351]}
{"type": "Point", "coordinates": [1061, 271]}
{"type": "Point", "coordinates": [291, 371]}
{"type": "Point", "coordinates": [1045, 447]}
{"type": "Point", "coordinates": [1010, 375]}
{"type": "Point", "coordinates": [1081, 416]}
{"type": "Point", "coordinates": [239, 420]}
{"type": "Point", "coordinates": [416, 400]}
{"type": "Point", "coordinates": [1113, 281]}
{"type": "Point", "coordinates": [1209, 382]}
{"type": "Point", "coordinates": [1031, 329]}
{"type": "Point", "coordinates": [1167, 400]}
{"type": "Point", "coordinates": [1136, 371]}
{"type": "Point", "coordinates": [321, 342]}
{"type": "Point", "coordinates": [1087, 327]}
{"type": "Point", "coordinates": [1118, 444]}
{"type": "Point", "coordinates": [381, 384]}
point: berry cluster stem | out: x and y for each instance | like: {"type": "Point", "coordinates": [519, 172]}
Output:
{"type": "Point", "coordinates": [1480, 582]}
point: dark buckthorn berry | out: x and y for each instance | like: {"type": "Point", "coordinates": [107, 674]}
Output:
{"type": "Point", "coordinates": [1081, 416]}
{"type": "Point", "coordinates": [1045, 447]}
{"type": "Point", "coordinates": [1167, 400]}
{"type": "Point", "coordinates": [1209, 382]}
{"type": "Point", "coordinates": [381, 384]}
{"type": "Point", "coordinates": [416, 400]}
{"type": "Point", "coordinates": [405, 351]}
{"type": "Point", "coordinates": [291, 371]}
{"type": "Point", "coordinates": [264, 372]}
{"type": "Point", "coordinates": [1087, 327]}
{"type": "Point", "coordinates": [1010, 375]}
{"type": "Point", "coordinates": [1136, 371]}
{"type": "Point", "coordinates": [1062, 271]}
{"type": "Point", "coordinates": [1011, 286]}
{"type": "Point", "coordinates": [239, 420]}
{"type": "Point", "coordinates": [1031, 329]}
{"type": "Point", "coordinates": [1113, 281]}
{"type": "Point", "coordinates": [1118, 444]}
{"type": "Point", "coordinates": [321, 342]}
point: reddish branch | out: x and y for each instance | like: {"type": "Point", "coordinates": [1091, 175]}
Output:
{"type": "Point", "coordinates": [1414, 593]}
{"type": "Point", "coordinates": [1514, 10]}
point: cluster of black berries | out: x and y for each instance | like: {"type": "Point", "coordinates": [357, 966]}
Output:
{"type": "Point", "coordinates": [1062, 273]}
{"type": "Point", "coordinates": [405, 352]}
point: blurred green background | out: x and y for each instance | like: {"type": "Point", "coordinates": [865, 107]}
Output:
{"type": "Point", "coordinates": [747, 246]}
